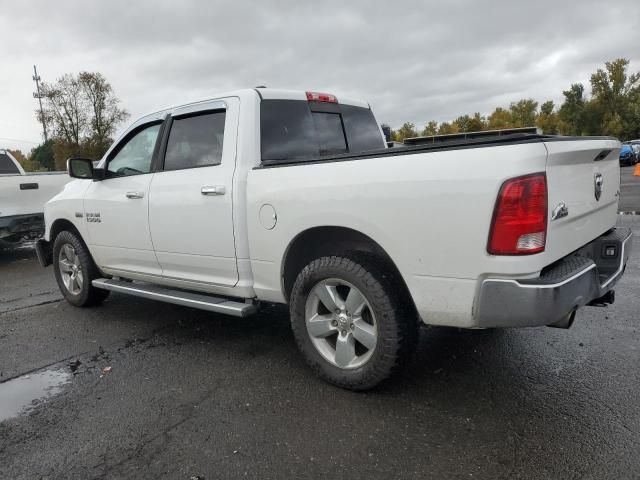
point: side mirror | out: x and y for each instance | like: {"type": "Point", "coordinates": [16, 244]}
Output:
{"type": "Point", "coordinates": [83, 168]}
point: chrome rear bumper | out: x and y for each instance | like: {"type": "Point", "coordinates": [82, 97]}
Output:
{"type": "Point", "coordinates": [566, 286]}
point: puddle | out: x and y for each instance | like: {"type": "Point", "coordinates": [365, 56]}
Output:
{"type": "Point", "coordinates": [17, 395]}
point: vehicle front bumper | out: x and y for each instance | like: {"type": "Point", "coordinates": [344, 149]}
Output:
{"type": "Point", "coordinates": [562, 288]}
{"type": "Point", "coordinates": [15, 228]}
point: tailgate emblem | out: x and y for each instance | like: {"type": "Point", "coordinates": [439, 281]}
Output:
{"type": "Point", "coordinates": [597, 184]}
{"type": "Point", "coordinates": [560, 211]}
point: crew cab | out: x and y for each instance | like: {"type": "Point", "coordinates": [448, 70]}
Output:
{"type": "Point", "coordinates": [266, 195]}
{"type": "Point", "coordinates": [22, 199]}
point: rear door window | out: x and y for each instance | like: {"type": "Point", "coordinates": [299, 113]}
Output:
{"type": "Point", "coordinates": [6, 165]}
{"type": "Point", "coordinates": [195, 141]}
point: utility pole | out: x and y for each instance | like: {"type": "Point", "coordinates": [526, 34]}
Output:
{"type": "Point", "coordinates": [38, 95]}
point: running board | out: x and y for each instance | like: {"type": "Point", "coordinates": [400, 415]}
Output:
{"type": "Point", "coordinates": [178, 297]}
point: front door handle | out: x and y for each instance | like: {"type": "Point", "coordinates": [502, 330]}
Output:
{"type": "Point", "coordinates": [213, 190]}
{"type": "Point", "coordinates": [135, 194]}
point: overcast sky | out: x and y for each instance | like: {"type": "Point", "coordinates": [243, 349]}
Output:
{"type": "Point", "coordinates": [413, 61]}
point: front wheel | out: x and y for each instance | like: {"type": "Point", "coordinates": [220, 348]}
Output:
{"type": "Point", "coordinates": [75, 270]}
{"type": "Point", "coordinates": [351, 322]}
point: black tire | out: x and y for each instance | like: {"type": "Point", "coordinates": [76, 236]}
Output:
{"type": "Point", "coordinates": [87, 295]}
{"type": "Point", "coordinates": [395, 319]}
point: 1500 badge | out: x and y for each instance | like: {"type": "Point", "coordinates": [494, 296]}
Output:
{"type": "Point", "coordinates": [93, 217]}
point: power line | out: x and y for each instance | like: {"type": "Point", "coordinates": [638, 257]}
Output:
{"type": "Point", "coordinates": [19, 140]}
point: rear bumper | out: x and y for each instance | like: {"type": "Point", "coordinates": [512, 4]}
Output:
{"type": "Point", "coordinates": [562, 288]}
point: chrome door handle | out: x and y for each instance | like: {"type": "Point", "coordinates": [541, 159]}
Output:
{"type": "Point", "coordinates": [213, 190]}
{"type": "Point", "coordinates": [135, 194]}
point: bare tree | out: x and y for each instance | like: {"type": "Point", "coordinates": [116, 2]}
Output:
{"type": "Point", "coordinates": [83, 113]}
{"type": "Point", "coordinates": [104, 111]}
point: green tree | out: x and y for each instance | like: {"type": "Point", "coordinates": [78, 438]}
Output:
{"type": "Point", "coordinates": [547, 118]}
{"type": "Point", "coordinates": [463, 123]}
{"type": "Point", "coordinates": [43, 155]}
{"type": "Point", "coordinates": [477, 123]}
{"type": "Point", "coordinates": [523, 113]}
{"type": "Point", "coordinates": [499, 119]}
{"type": "Point", "coordinates": [613, 92]}
{"type": "Point", "coordinates": [430, 129]}
{"type": "Point", "coordinates": [572, 113]}
{"type": "Point", "coordinates": [446, 128]}
{"type": "Point", "coordinates": [407, 130]}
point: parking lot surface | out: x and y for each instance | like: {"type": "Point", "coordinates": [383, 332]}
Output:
{"type": "Point", "coordinates": [139, 389]}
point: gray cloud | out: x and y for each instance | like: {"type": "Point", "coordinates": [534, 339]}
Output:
{"type": "Point", "coordinates": [411, 60]}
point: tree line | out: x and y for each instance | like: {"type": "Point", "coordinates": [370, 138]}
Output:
{"type": "Point", "coordinates": [82, 114]}
{"type": "Point", "coordinates": [612, 108]}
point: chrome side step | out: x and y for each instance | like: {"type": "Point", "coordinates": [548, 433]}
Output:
{"type": "Point", "coordinates": [178, 297]}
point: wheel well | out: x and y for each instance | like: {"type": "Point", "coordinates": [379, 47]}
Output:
{"type": "Point", "coordinates": [325, 241]}
{"type": "Point", "coordinates": [62, 225]}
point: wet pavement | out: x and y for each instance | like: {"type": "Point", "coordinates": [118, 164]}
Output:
{"type": "Point", "coordinates": [18, 395]}
{"type": "Point", "coordinates": [629, 190]}
{"type": "Point", "coordinates": [149, 390]}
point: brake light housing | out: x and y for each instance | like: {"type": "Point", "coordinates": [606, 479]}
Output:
{"type": "Point", "coordinates": [321, 97]}
{"type": "Point", "coordinates": [519, 223]}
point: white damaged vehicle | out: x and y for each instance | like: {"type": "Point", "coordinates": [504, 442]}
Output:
{"type": "Point", "coordinates": [268, 195]}
{"type": "Point", "coordinates": [22, 199]}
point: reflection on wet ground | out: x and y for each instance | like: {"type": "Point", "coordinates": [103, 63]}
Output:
{"type": "Point", "coordinates": [18, 395]}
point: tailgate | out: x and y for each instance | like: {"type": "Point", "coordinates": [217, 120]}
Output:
{"type": "Point", "coordinates": [583, 174]}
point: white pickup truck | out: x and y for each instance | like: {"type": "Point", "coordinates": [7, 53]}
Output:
{"type": "Point", "coordinates": [22, 199]}
{"type": "Point", "coordinates": [268, 195]}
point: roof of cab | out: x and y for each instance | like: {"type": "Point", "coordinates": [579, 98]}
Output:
{"type": "Point", "coordinates": [264, 93]}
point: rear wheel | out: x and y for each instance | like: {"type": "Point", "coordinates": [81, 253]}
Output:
{"type": "Point", "coordinates": [75, 270]}
{"type": "Point", "coordinates": [350, 321]}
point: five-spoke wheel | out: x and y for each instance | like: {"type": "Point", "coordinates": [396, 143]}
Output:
{"type": "Point", "coordinates": [351, 320]}
{"type": "Point", "coordinates": [70, 269]}
{"type": "Point", "coordinates": [75, 270]}
{"type": "Point", "coordinates": [341, 323]}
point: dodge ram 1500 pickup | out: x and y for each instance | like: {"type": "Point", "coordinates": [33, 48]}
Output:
{"type": "Point", "coordinates": [22, 199]}
{"type": "Point", "coordinates": [269, 195]}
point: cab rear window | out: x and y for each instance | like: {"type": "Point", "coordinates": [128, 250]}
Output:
{"type": "Point", "coordinates": [291, 130]}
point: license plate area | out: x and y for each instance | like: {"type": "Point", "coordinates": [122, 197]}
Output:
{"type": "Point", "coordinates": [607, 251]}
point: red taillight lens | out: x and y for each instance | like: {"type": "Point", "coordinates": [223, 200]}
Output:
{"type": "Point", "coordinates": [321, 97]}
{"type": "Point", "coordinates": [519, 224]}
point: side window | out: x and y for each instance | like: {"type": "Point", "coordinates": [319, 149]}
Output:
{"type": "Point", "coordinates": [134, 156]}
{"type": "Point", "coordinates": [195, 141]}
{"type": "Point", "coordinates": [6, 165]}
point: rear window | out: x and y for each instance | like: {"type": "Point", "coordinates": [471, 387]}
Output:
{"type": "Point", "coordinates": [290, 130]}
{"type": "Point", "coordinates": [6, 165]}
{"type": "Point", "coordinates": [329, 133]}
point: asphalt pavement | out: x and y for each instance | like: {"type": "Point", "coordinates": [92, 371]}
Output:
{"type": "Point", "coordinates": [140, 389]}
{"type": "Point", "coordinates": [629, 190]}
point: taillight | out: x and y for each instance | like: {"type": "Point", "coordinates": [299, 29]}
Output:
{"type": "Point", "coordinates": [321, 97]}
{"type": "Point", "coordinates": [519, 225]}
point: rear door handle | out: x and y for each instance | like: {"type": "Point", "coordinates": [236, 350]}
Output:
{"type": "Point", "coordinates": [213, 190]}
{"type": "Point", "coordinates": [135, 194]}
